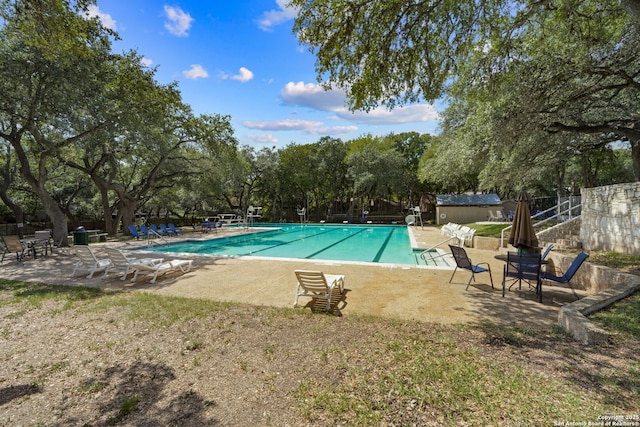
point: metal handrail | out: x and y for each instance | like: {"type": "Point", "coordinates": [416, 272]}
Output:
{"type": "Point", "coordinates": [149, 241]}
{"type": "Point", "coordinates": [422, 254]}
{"type": "Point", "coordinates": [559, 213]}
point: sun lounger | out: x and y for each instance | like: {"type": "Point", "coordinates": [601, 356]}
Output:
{"type": "Point", "coordinates": [183, 265]}
{"type": "Point", "coordinates": [120, 263]}
{"type": "Point", "coordinates": [88, 262]}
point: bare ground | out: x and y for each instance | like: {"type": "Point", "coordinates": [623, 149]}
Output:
{"type": "Point", "coordinates": [134, 359]}
{"type": "Point", "coordinates": [99, 361]}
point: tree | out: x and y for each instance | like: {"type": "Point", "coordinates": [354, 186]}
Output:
{"type": "Point", "coordinates": [376, 173]}
{"type": "Point", "coordinates": [8, 173]}
{"type": "Point", "coordinates": [389, 51]}
{"type": "Point", "coordinates": [394, 52]}
{"type": "Point", "coordinates": [49, 73]}
{"type": "Point", "coordinates": [411, 146]}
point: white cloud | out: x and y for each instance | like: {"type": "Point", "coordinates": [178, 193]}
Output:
{"type": "Point", "coordinates": [408, 114]}
{"type": "Point", "coordinates": [287, 124]}
{"type": "Point", "coordinates": [309, 127]}
{"type": "Point", "coordinates": [263, 138]}
{"type": "Point", "coordinates": [195, 72]}
{"type": "Point", "coordinates": [314, 96]}
{"type": "Point", "coordinates": [332, 130]}
{"type": "Point", "coordinates": [274, 17]}
{"type": "Point", "coordinates": [146, 62]}
{"type": "Point", "coordinates": [244, 75]}
{"type": "Point", "coordinates": [94, 12]}
{"type": "Point", "coordinates": [179, 21]}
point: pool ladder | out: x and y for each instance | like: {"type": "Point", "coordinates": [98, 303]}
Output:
{"type": "Point", "coordinates": [430, 251]}
{"type": "Point", "coordinates": [150, 242]}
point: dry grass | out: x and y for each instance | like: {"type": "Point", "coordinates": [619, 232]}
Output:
{"type": "Point", "coordinates": [73, 356]}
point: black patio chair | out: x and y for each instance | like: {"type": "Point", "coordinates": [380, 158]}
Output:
{"type": "Point", "coordinates": [523, 268]}
{"type": "Point", "coordinates": [463, 262]}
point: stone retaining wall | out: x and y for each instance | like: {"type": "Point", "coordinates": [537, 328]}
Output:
{"type": "Point", "coordinates": [611, 218]}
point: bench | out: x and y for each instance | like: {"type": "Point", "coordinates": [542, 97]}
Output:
{"type": "Point", "coordinates": [98, 237]}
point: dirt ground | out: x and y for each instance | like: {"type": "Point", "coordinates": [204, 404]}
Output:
{"type": "Point", "coordinates": [243, 364]}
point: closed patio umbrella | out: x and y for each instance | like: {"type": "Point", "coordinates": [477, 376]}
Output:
{"type": "Point", "coordinates": [522, 235]}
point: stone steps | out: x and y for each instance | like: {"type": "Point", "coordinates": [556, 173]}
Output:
{"type": "Point", "coordinates": [562, 236]}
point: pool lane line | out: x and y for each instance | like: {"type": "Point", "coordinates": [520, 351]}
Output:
{"type": "Point", "coordinates": [334, 244]}
{"type": "Point", "coordinates": [288, 242]}
{"type": "Point", "coordinates": [383, 247]}
{"type": "Point", "coordinates": [231, 242]}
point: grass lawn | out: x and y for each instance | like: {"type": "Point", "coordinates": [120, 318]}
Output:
{"type": "Point", "coordinates": [78, 356]}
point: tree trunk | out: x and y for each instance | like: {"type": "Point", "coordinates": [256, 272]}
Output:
{"type": "Point", "coordinates": [37, 183]}
{"type": "Point", "coordinates": [127, 211]}
{"type": "Point", "coordinates": [57, 217]}
{"type": "Point", "coordinates": [18, 213]}
{"type": "Point", "coordinates": [110, 226]}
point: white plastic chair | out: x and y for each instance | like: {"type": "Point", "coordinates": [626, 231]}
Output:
{"type": "Point", "coordinates": [319, 286]}
{"type": "Point", "coordinates": [88, 261]}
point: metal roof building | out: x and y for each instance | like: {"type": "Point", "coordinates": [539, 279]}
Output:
{"type": "Point", "coordinates": [465, 208]}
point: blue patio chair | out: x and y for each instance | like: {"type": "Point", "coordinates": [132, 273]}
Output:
{"type": "Point", "coordinates": [133, 230]}
{"type": "Point", "coordinates": [156, 231]}
{"type": "Point", "coordinates": [173, 229]}
{"type": "Point", "coordinates": [571, 271]}
{"type": "Point", "coordinates": [144, 231]}
{"type": "Point", "coordinates": [165, 231]}
{"type": "Point", "coordinates": [463, 262]}
{"type": "Point", "coordinates": [546, 251]}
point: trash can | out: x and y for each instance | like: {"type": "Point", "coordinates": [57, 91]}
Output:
{"type": "Point", "coordinates": [80, 236]}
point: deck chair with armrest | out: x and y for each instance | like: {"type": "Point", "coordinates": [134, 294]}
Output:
{"type": "Point", "coordinates": [120, 263]}
{"type": "Point", "coordinates": [175, 231]}
{"type": "Point", "coordinates": [12, 244]}
{"type": "Point", "coordinates": [164, 230]}
{"type": "Point", "coordinates": [546, 251]}
{"type": "Point", "coordinates": [157, 231]}
{"type": "Point", "coordinates": [133, 230]}
{"type": "Point", "coordinates": [88, 262]}
{"type": "Point", "coordinates": [465, 235]}
{"type": "Point", "coordinates": [571, 271]}
{"type": "Point", "coordinates": [327, 290]}
{"type": "Point", "coordinates": [156, 269]}
{"type": "Point", "coordinates": [463, 262]}
{"type": "Point", "coordinates": [144, 231]}
{"type": "Point", "coordinates": [41, 242]}
{"type": "Point", "coordinates": [523, 268]}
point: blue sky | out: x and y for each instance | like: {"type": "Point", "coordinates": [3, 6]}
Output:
{"type": "Point", "coordinates": [240, 58]}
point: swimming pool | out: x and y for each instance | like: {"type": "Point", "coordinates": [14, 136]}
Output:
{"type": "Point", "coordinates": [356, 243]}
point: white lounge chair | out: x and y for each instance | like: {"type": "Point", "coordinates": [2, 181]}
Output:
{"type": "Point", "coordinates": [449, 229]}
{"type": "Point", "coordinates": [126, 265]}
{"type": "Point", "coordinates": [183, 265]}
{"type": "Point", "coordinates": [320, 287]}
{"type": "Point", "coordinates": [88, 261]}
{"type": "Point", "coordinates": [465, 235]}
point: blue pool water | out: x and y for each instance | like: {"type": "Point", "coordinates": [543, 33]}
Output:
{"type": "Point", "coordinates": [366, 243]}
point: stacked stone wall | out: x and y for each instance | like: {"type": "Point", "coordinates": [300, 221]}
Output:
{"type": "Point", "coordinates": [611, 218]}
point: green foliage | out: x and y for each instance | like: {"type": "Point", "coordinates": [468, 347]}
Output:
{"type": "Point", "coordinates": [129, 405]}
{"type": "Point", "coordinates": [389, 51]}
{"type": "Point", "coordinates": [621, 318]}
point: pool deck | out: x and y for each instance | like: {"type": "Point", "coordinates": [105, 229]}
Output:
{"type": "Point", "coordinates": [391, 291]}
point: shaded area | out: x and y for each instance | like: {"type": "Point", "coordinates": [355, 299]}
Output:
{"type": "Point", "coordinates": [7, 394]}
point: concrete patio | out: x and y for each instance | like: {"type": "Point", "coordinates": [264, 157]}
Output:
{"type": "Point", "coordinates": [391, 291]}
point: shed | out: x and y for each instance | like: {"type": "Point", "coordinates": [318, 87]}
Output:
{"type": "Point", "coordinates": [465, 208]}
